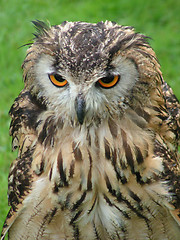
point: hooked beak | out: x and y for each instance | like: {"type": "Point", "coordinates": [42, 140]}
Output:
{"type": "Point", "coordinates": [80, 107]}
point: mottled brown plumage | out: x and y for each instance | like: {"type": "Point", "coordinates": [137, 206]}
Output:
{"type": "Point", "coordinates": [97, 132]}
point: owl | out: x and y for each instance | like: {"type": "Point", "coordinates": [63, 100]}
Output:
{"type": "Point", "coordinates": [97, 131]}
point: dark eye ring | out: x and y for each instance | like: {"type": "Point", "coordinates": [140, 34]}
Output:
{"type": "Point", "coordinates": [57, 80]}
{"type": "Point", "coordinates": [108, 82]}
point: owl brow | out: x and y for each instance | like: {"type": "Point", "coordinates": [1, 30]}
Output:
{"type": "Point", "coordinates": [109, 68]}
{"type": "Point", "coordinates": [109, 75]}
{"type": "Point", "coordinates": [54, 72]}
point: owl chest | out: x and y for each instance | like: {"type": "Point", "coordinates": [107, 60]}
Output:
{"type": "Point", "coordinates": [97, 205]}
{"type": "Point", "coordinates": [85, 184]}
{"type": "Point", "coordinates": [100, 187]}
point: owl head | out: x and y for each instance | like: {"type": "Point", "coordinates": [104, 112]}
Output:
{"type": "Point", "coordinates": [85, 73]}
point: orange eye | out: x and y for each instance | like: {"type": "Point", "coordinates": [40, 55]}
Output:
{"type": "Point", "coordinates": [57, 80]}
{"type": "Point", "coordinates": [109, 82]}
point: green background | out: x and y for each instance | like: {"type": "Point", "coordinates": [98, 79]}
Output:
{"type": "Point", "coordinates": [158, 19]}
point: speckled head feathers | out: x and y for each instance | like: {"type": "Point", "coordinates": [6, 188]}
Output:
{"type": "Point", "coordinates": [82, 47]}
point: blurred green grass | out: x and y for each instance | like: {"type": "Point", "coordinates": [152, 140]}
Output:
{"type": "Point", "coordinates": [158, 19]}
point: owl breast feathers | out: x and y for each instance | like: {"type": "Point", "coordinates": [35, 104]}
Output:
{"type": "Point", "coordinates": [97, 133]}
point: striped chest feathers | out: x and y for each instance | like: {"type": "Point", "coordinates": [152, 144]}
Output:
{"type": "Point", "coordinates": [107, 181]}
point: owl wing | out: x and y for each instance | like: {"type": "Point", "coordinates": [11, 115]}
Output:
{"type": "Point", "coordinates": [173, 108]}
{"type": "Point", "coordinates": [172, 161]}
{"type": "Point", "coordinates": [22, 129]}
{"type": "Point", "coordinates": [19, 185]}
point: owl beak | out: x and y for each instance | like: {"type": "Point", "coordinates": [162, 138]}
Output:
{"type": "Point", "coordinates": [80, 107]}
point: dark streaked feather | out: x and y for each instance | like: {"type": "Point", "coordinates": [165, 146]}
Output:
{"type": "Point", "coordinates": [41, 27]}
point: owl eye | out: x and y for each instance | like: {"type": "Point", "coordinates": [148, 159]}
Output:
{"type": "Point", "coordinates": [57, 80]}
{"type": "Point", "coordinates": [109, 82]}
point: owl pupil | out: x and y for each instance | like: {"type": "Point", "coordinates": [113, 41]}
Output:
{"type": "Point", "coordinates": [107, 79]}
{"type": "Point", "coordinates": [58, 78]}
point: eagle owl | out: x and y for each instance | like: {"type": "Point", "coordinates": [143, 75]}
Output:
{"type": "Point", "coordinates": [97, 131]}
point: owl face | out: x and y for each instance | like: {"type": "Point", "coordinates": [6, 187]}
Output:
{"type": "Point", "coordinates": [84, 71]}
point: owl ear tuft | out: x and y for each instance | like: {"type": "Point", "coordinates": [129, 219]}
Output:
{"type": "Point", "coordinates": [41, 28]}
